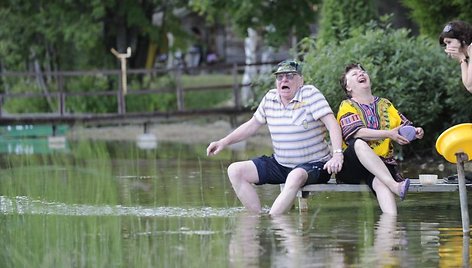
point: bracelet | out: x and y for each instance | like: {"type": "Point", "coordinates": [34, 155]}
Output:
{"type": "Point", "coordinates": [339, 151]}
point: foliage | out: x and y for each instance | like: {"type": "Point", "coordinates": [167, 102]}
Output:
{"type": "Point", "coordinates": [192, 100]}
{"type": "Point", "coordinates": [432, 15]}
{"type": "Point", "coordinates": [337, 17]}
{"type": "Point", "coordinates": [291, 18]}
{"type": "Point", "coordinates": [412, 72]}
{"type": "Point", "coordinates": [64, 35]}
{"type": "Point", "coordinates": [164, 100]}
{"type": "Point", "coordinates": [90, 104]}
{"type": "Point", "coordinates": [26, 105]}
{"type": "Point", "coordinates": [53, 32]}
{"type": "Point", "coordinates": [155, 102]}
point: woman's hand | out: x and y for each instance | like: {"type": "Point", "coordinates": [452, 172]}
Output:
{"type": "Point", "coordinates": [456, 53]}
{"type": "Point", "coordinates": [395, 136]}
{"type": "Point", "coordinates": [419, 132]}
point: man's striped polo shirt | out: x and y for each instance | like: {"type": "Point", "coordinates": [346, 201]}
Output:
{"type": "Point", "coordinates": [298, 136]}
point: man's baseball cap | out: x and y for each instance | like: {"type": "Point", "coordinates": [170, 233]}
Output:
{"type": "Point", "coordinates": [289, 66]}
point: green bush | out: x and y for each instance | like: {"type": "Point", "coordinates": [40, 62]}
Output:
{"type": "Point", "coordinates": [151, 102]}
{"type": "Point", "coordinates": [90, 104]}
{"type": "Point", "coordinates": [27, 105]}
{"type": "Point", "coordinates": [412, 72]}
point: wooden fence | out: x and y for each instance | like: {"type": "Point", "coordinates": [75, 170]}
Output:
{"type": "Point", "coordinates": [121, 115]}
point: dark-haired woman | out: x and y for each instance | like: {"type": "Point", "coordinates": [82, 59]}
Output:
{"type": "Point", "coordinates": [456, 37]}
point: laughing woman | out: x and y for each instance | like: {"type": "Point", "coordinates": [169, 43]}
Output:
{"type": "Point", "coordinates": [369, 126]}
{"type": "Point", "coordinates": [456, 38]}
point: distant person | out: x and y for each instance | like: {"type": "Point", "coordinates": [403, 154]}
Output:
{"type": "Point", "coordinates": [369, 127]}
{"type": "Point", "coordinates": [195, 52]}
{"type": "Point", "coordinates": [456, 37]}
{"type": "Point", "coordinates": [298, 117]}
{"type": "Point", "coordinates": [212, 58]}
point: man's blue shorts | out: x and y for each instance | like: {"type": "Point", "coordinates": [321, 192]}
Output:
{"type": "Point", "coordinates": [271, 172]}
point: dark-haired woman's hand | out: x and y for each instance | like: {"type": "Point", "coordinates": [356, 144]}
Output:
{"type": "Point", "coordinates": [455, 53]}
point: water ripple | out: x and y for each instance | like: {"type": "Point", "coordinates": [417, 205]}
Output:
{"type": "Point", "coordinates": [25, 205]}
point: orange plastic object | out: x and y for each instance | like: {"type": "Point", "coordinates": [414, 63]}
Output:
{"type": "Point", "coordinates": [454, 140]}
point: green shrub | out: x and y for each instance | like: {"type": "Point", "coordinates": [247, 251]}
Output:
{"type": "Point", "coordinates": [151, 102]}
{"type": "Point", "coordinates": [30, 104]}
{"type": "Point", "coordinates": [90, 104]}
{"type": "Point", "coordinates": [412, 72]}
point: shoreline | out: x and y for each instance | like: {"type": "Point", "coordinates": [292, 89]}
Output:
{"type": "Point", "coordinates": [203, 132]}
{"type": "Point", "coordinates": [182, 132]}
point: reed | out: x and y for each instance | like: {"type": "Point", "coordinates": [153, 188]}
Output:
{"type": "Point", "coordinates": [92, 207]}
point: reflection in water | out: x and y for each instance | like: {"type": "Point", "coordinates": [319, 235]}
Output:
{"type": "Point", "coordinates": [31, 146]}
{"type": "Point", "coordinates": [430, 241]}
{"type": "Point", "coordinates": [292, 250]}
{"type": "Point", "coordinates": [280, 241]}
{"type": "Point", "coordinates": [244, 246]}
{"type": "Point", "coordinates": [388, 243]}
{"type": "Point", "coordinates": [466, 250]}
{"type": "Point", "coordinates": [454, 249]}
{"type": "Point", "coordinates": [146, 141]}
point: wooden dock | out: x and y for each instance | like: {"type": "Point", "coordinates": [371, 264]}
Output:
{"type": "Point", "coordinates": [332, 186]}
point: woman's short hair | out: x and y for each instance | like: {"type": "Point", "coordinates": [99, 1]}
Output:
{"type": "Point", "coordinates": [457, 29]}
{"type": "Point", "coordinates": [343, 79]}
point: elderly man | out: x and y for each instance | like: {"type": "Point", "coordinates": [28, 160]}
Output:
{"type": "Point", "coordinates": [297, 116]}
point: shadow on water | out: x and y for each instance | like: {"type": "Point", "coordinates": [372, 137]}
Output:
{"type": "Point", "coordinates": [113, 204]}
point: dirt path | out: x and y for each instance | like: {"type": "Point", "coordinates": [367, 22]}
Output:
{"type": "Point", "coordinates": [185, 132]}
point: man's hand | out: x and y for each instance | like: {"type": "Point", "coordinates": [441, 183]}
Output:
{"type": "Point", "coordinates": [215, 147]}
{"type": "Point", "coordinates": [335, 164]}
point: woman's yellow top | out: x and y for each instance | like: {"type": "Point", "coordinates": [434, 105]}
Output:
{"type": "Point", "coordinates": [380, 114]}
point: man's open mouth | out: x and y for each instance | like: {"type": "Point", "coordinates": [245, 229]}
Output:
{"type": "Point", "coordinates": [285, 87]}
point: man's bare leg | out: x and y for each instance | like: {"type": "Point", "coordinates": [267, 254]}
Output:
{"type": "Point", "coordinates": [242, 175]}
{"type": "Point", "coordinates": [295, 179]}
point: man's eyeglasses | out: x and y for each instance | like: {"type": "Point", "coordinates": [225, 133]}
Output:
{"type": "Point", "coordinates": [289, 76]}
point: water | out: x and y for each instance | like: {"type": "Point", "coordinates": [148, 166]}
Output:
{"type": "Point", "coordinates": [97, 204]}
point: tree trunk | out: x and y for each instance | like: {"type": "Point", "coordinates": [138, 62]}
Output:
{"type": "Point", "coordinates": [267, 55]}
{"type": "Point", "coordinates": [40, 81]}
{"type": "Point", "coordinates": [250, 72]}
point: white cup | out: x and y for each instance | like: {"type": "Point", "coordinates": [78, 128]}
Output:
{"type": "Point", "coordinates": [428, 179]}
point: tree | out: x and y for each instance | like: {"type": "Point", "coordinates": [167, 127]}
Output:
{"type": "Point", "coordinates": [274, 22]}
{"type": "Point", "coordinates": [47, 36]}
{"type": "Point", "coordinates": [432, 15]}
{"type": "Point", "coordinates": [77, 34]}
{"type": "Point", "coordinates": [337, 17]}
